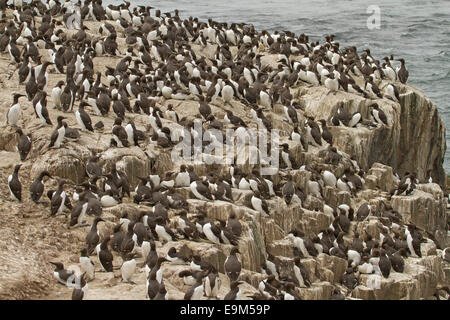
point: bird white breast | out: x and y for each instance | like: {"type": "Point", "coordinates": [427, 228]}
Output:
{"type": "Point", "coordinates": [257, 204]}
{"type": "Point", "coordinates": [366, 268]}
{"type": "Point", "coordinates": [286, 159]}
{"type": "Point", "coordinates": [311, 78]}
{"type": "Point", "coordinates": [329, 178]}
{"type": "Point", "coordinates": [108, 201]}
{"type": "Point", "coordinates": [327, 209]}
{"type": "Point", "coordinates": [56, 275]}
{"type": "Point", "coordinates": [189, 280]}
{"type": "Point", "coordinates": [128, 269]}
{"type": "Point", "coordinates": [355, 256]}
{"type": "Point", "coordinates": [390, 91]}
{"type": "Point", "coordinates": [390, 73]}
{"type": "Point", "coordinates": [244, 185]}
{"type": "Point", "coordinates": [354, 120]}
{"type": "Point", "coordinates": [374, 261]}
{"type": "Point", "coordinates": [198, 293]}
{"type": "Point", "coordinates": [130, 134]}
{"type": "Point", "coordinates": [62, 205]}
{"type": "Point", "coordinates": [13, 114]}
{"type": "Point", "coordinates": [167, 92]}
{"type": "Point", "coordinates": [182, 179]}
{"type": "Point", "coordinates": [209, 234]}
{"type": "Point", "coordinates": [342, 186]}
{"type": "Point", "coordinates": [195, 192]}
{"type": "Point", "coordinates": [409, 240]}
{"type": "Point", "coordinates": [227, 93]}
{"type": "Point", "coordinates": [161, 231]}
{"type": "Point", "coordinates": [288, 296]}
{"type": "Point", "coordinates": [159, 275]}
{"type": "Point", "coordinates": [87, 266]}
{"type": "Point", "coordinates": [145, 247]}
{"type": "Point", "coordinates": [271, 266]}
{"type": "Point", "coordinates": [332, 84]}
{"type": "Point", "coordinates": [253, 184]}
{"type": "Point", "coordinates": [79, 120]}
{"type": "Point", "coordinates": [301, 245]}
{"type": "Point", "coordinates": [295, 137]}
{"type": "Point", "coordinates": [298, 275]}
{"type": "Point", "coordinates": [12, 194]}
{"type": "Point", "coordinates": [376, 116]}
{"type": "Point", "coordinates": [59, 139]}
{"type": "Point", "coordinates": [313, 188]}
{"type": "Point", "coordinates": [168, 183]}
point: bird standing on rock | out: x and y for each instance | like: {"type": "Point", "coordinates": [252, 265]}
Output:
{"type": "Point", "coordinates": [37, 187]}
{"type": "Point", "coordinates": [23, 145]}
{"type": "Point", "coordinates": [58, 135]}
{"type": "Point", "coordinates": [232, 265]}
{"type": "Point", "coordinates": [14, 185]}
{"type": "Point", "coordinates": [169, 84]}
{"type": "Point", "coordinates": [12, 117]}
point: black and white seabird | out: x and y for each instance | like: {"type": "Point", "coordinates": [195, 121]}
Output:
{"type": "Point", "coordinates": [301, 273]}
{"type": "Point", "coordinates": [165, 234]}
{"type": "Point", "coordinates": [128, 269]}
{"type": "Point", "coordinates": [413, 239]}
{"type": "Point", "coordinates": [104, 255]}
{"type": "Point", "coordinates": [270, 267]}
{"type": "Point", "coordinates": [195, 292]}
{"type": "Point", "coordinates": [14, 185]}
{"type": "Point", "coordinates": [119, 134]}
{"type": "Point", "coordinates": [402, 73]}
{"type": "Point", "coordinates": [378, 114]}
{"type": "Point", "coordinates": [446, 255]}
{"type": "Point", "coordinates": [232, 265]}
{"type": "Point", "coordinates": [41, 110]}
{"type": "Point", "coordinates": [24, 144]}
{"type": "Point", "coordinates": [212, 283]}
{"type": "Point", "coordinates": [176, 257]}
{"type": "Point", "coordinates": [234, 225]}
{"type": "Point", "coordinates": [259, 204]}
{"type": "Point", "coordinates": [288, 157]}
{"type": "Point", "coordinates": [12, 117]}
{"type": "Point", "coordinates": [363, 212]}
{"type": "Point", "coordinates": [56, 94]}
{"type": "Point", "coordinates": [200, 190]}
{"type": "Point", "coordinates": [86, 265]}
{"type": "Point", "coordinates": [93, 236]}
{"type": "Point", "coordinates": [235, 291]}
{"type": "Point", "coordinates": [58, 200]}
{"type": "Point", "coordinates": [59, 133]}
{"type": "Point", "coordinates": [37, 187]}
{"type": "Point", "coordinates": [83, 118]}
{"type": "Point", "coordinates": [80, 292]}
{"type": "Point", "coordinates": [349, 279]}
{"type": "Point", "coordinates": [288, 190]}
{"type": "Point", "coordinates": [65, 277]}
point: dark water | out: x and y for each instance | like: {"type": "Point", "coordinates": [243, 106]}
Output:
{"type": "Point", "coordinates": [416, 30]}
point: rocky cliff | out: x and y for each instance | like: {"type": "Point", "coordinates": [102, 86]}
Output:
{"type": "Point", "coordinates": [413, 141]}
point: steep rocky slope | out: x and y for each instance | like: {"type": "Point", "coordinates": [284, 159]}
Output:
{"type": "Point", "coordinates": [413, 141]}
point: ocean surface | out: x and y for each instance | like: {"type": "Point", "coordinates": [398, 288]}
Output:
{"type": "Point", "coordinates": [416, 30]}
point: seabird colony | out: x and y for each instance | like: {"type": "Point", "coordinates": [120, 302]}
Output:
{"type": "Point", "coordinates": [161, 66]}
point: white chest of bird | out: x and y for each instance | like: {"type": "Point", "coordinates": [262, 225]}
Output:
{"type": "Point", "coordinates": [13, 115]}
{"type": "Point", "coordinates": [87, 266]}
{"type": "Point", "coordinates": [128, 269]}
